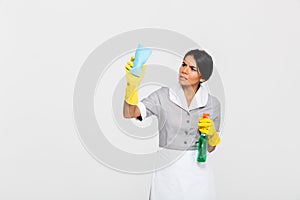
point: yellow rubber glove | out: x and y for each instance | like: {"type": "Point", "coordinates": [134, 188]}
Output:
{"type": "Point", "coordinates": [133, 83]}
{"type": "Point", "coordinates": [207, 127]}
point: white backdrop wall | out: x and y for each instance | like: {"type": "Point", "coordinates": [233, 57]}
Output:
{"type": "Point", "coordinates": [255, 45]}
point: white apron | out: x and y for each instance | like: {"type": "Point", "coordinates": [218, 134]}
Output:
{"type": "Point", "coordinates": [186, 179]}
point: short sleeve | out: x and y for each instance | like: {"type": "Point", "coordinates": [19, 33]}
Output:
{"type": "Point", "coordinates": [217, 114]}
{"type": "Point", "coordinates": [151, 105]}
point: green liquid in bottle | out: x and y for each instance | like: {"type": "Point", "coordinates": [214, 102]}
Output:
{"type": "Point", "coordinates": [202, 144]}
{"type": "Point", "coordinates": [202, 148]}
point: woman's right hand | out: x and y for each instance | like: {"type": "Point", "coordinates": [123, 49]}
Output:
{"type": "Point", "coordinates": [133, 83]}
{"type": "Point", "coordinates": [131, 78]}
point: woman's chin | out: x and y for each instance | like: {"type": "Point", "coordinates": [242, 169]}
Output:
{"type": "Point", "coordinates": [184, 82]}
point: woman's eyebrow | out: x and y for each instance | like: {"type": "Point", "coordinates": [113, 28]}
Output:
{"type": "Point", "coordinates": [189, 65]}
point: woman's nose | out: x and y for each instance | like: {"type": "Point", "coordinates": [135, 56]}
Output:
{"type": "Point", "coordinates": [185, 70]}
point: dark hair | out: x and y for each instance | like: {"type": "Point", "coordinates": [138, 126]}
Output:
{"type": "Point", "coordinates": [204, 62]}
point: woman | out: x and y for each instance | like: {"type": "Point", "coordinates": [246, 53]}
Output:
{"type": "Point", "coordinates": [179, 111]}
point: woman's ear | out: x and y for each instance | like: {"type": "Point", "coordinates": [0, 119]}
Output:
{"type": "Point", "coordinates": [202, 79]}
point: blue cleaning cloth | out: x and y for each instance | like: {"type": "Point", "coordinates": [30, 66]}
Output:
{"type": "Point", "coordinates": [141, 56]}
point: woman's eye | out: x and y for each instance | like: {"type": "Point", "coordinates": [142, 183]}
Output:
{"type": "Point", "coordinates": [194, 69]}
{"type": "Point", "coordinates": [183, 64]}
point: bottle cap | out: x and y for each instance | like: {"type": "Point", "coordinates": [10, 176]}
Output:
{"type": "Point", "coordinates": [206, 115]}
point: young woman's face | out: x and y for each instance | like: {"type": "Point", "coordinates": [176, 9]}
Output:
{"type": "Point", "coordinates": [189, 74]}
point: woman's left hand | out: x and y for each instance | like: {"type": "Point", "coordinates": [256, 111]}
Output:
{"type": "Point", "coordinates": [207, 126]}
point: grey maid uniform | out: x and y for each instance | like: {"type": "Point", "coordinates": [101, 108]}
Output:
{"type": "Point", "coordinates": [178, 131]}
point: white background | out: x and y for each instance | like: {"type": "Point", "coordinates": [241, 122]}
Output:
{"type": "Point", "coordinates": [255, 45]}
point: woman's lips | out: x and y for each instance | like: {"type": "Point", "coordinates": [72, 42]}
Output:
{"type": "Point", "coordinates": [182, 78]}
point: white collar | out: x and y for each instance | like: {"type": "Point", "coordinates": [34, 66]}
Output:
{"type": "Point", "coordinates": [200, 99]}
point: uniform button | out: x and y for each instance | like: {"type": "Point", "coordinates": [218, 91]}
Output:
{"type": "Point", "coordinates": [184, 142]}
{"type": "Point", "coordinates": [188, 121]}
{"type": "Point", "coordinates": [186, 132]}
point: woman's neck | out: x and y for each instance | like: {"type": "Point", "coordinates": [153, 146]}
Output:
{"type": "Point", "coordinates": [189, 92]}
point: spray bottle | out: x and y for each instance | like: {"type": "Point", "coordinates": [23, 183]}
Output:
{"type": "Point", "coordinates": [202, 144]}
